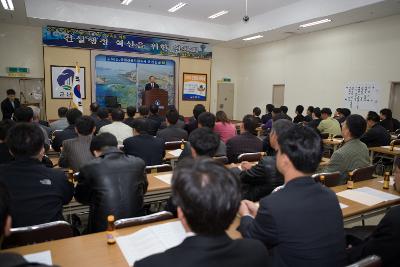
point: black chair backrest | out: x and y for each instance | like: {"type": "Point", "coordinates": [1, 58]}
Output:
{"type": "Point", "coordinates": [222, 159]}
{"type": "Point", "coordinates": [362, 174]}
{"type": "Point", "coordinates": [331, 179]}
{"type": "Point", "coordinates": [37, 234]}
{"type": "Point", "coordinates": [158, 168]}
{"type": "Point", "coordinates": [173, 145]}
{"type": "Point", "coordinates": [156, 217]}
{"type": "Point", "coordinates": [370, 261]}
{"type": "Point", "coordinates": [251, 157]}
{"type": "Point", "coordinates": [111, 101]}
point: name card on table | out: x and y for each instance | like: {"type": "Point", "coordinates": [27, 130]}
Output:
{"type": "Point", "coordinates": [43, 257]}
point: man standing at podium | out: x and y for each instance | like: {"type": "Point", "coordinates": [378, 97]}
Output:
{"type": "Point", "coordinates": [152, 84]}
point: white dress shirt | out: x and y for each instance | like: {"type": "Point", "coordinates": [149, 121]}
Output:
{"type": "Point", "coordinates": [119, 129]}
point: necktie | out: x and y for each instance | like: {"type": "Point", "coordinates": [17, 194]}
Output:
{"type": "Point", "coordinates": [152, 85]}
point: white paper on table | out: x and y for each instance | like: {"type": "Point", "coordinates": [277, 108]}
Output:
{"type": "Point", "coordinates": [343, 206]}
{"type": "Point", "coordinates": [376, 193]}
{"type": "Point", "coordinates": [389, 147]}
{"type": "Point", "coordinates": [391, 181]}
{"type": "Point", "coordinates": [360, 197]}
{"type": "Point", "coordinates": [43, 257]}
{"type": "Point", "coordinates": [151, 240]}
{"type": "Point", "coordinates": [166, 178]}
{"type": "Point", "coordinates": [176, 152]}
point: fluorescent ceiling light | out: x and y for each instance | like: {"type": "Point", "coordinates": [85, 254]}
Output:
{"type": "Point", "coordinates": [315, 23]}
{"type": "Point", "coordinates": [253, 37]}
{"type": "Point", "coordinates": [7, 4]}
{"type": "Point", "coordinates": [216, 15]}
{"type": "Point", "coordinates": [126, 2]}
{"type": "Point", "coordinates": [177, 7]}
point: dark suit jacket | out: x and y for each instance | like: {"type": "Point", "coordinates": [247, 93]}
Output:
{"type": "Point", "coordinates": [130, 122]}
{"type": "Point", "coordinates": [390, 125]}
{"type": "Point", "coordinates": [376, 136]}
{"type": "Point", "coordinates": [314, 123]}
{"type": "Point", "coordinates": [67, 133]}
{"type": "Point", "coordinates": [5, 156]}
{"type": "Point", "coordinates": [7, 108]}
{"type": "Point", "coordinates": [261, 179]}
{"type": "Point", "coordinates": [384, 241]}
{"type": "Point", "coordinates": [298, 118]}
{"type": "Point", "coordinates": [266, 117]}
{"type": "Point", "coordinates": [302, 224]}
{"type": "Point", "coordinates": [219, 251]}
{"type": "Point", "coordinates": [172, 133]}
{"type": "Point", "coordinates": [243, 143]}
{"type": "Point", "coordinates": [147, 147]}
{"type": "Point", "coordinates": [76, 152]}
{"type": "Point", "coordinates": [191, 125]}
{"type": "Point", "coordinates": [148, 86]}
{"type": "Point", "coordinates": [187, 152]}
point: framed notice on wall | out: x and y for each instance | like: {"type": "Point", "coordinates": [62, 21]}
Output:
{"type": "Point", "coordinates": [194, 87]}
{"type": "Point", "coordinates": [62, 79]}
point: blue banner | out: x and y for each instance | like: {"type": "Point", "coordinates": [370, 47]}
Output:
{"type": "Point", "coordinates": [69, 37]}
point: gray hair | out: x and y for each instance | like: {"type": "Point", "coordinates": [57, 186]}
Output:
{"type": "Point", "coordinates": [280, 126]}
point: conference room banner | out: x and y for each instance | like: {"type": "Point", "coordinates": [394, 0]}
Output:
{"type": "Point", "coordinates": [126, 77]}
{"type": "Point", "coordinates": [69, 37]}
{"type": "Point", "coordinates": [194, 87]}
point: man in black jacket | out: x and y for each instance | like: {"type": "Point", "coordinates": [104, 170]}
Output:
{"type": "Point", "coordinates": [111, 184]}
{"type": "Point", "coordinates": [388, 122]}
{"type": "Point", "coordinates": [37, 193]}
{"type": "Point", "coordinates": [258, 181]}
{"type": "Point", "coordinates": [130, 112]}
{"type": "Point", "coordinates": [152, 84]}
{"type": "Point", "coordinates": [302, 223]}
{"type": "Point", "coordinates": [267, 116]}
{"type": "Point", "coordinates": [69, 132]}
{"type": "Point", "coordinates": [103, 120]}
{"type": "Point", "coordinates": [173, 132]}
{"type": "Point", "coordinates": [9, 105]}
{"type": "Point", "coordinates": [299, 114]}
{"type": "Point", "coordinates": [192, 124]}
{"type": "Point", "coordinates": [208, 197]}
{"type": "Point", "coordinates": [376, 134]}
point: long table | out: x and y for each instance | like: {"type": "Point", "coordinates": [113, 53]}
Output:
{"type": "Point", "coordinates": [395, 153]}
{"type": "Point", "coordinates": [92, 250]}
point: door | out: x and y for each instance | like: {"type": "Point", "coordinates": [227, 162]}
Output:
{"type": "Point", "coordinates": [225, 98]}
{"type": "Point", "coordinates": [395, 100]}
{"type": "Point", "coordinates": [278, 95]}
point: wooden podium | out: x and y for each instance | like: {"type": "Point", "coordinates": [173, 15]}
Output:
{"type": "Point", "coordinates": [158, 97]}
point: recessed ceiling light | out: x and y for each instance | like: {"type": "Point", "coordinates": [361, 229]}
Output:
{"type": "Point", "coordinates": [216, 15]}
{"type": "Point", "coordinates": [7, 4]}
{"type": "Point", "coordinates": [315, 23]}
{"type": "Point", "coordinates": [177, 7]}
{"type": "Point", "coordinates": [126, 2]}
{"type": "Point", "coordinates": [253, 37]}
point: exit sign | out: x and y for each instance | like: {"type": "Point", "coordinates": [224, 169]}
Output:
{"type": "Point", "coordinates": [17, 71]}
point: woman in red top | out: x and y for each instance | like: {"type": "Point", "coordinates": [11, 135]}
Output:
{"type": "Point", "coordinates": [224, 127]}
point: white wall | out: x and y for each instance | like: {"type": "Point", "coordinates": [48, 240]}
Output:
{"type": "Point", "coordinates": [315, 67]}
{"type": "Point", "coordinates": [21, 46]}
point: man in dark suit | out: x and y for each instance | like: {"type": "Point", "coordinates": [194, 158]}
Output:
{"type": "Point", "coordinates": [9, 105]}
{"type": "Point", "coordinates": [67, 133]}
{"type": "Point", "coordinates": [299, 114]}
{"type": "Point", "coordinates": [192, 124]}
{"type": "Point", "coordinates": [316, 118]}
{"type": "Point", "coordinates": [37, 193]}
{"type": "Point", "coordinates": [156, 118]}
{"type": "Point", "coordinates": [145, 146]}
{"type": "Point", "coordinates": [130, 112]}
{"type": "Point", "coordinates": [94, 108]}
{"type": "Point", "coordinates": [301, 223]}
{"type": "Point", "coordinates": [172, 132]}
{"type": "Point", "coordinates": [152, 84]}
{"type": "Point", "coordinates": [246, 142]}
{"type": "Point", "coordinates": [267, 116]}
{"type": "Point", "coordinates": [76, 151]}
{"type": "Point", "coordinates": [387, 120]}
{"type": "Point", "coordinates": [285, 110]}
{"type": "Point", "coordinates": [112, 184]}
{"type": "Point", "coordinates": [103, 120]}
{"type": "Point", "coordinates": [376, 134]}
{"type": "Point", "coordinates": [208, 197]}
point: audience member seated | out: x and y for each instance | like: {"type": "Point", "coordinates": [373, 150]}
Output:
{"type": "Point", "coordinates": [119, 129]}
{"type": "Point", "coordinates": [62, 122]}
{"type": "Point", "coordinates": [9, 259]}
{"type": "Point", "coordinates": [94, 108]}
{"type": "Point", "coordinates": [208, 197]}
{"type": "Point", "coordinates": [246, 142]}
{"type": "Point", "coordinates": [299, 114]}
{"type": "Point", "coordinates": [36, 120]}
{"type": "Point", "coordinates": [316, 118]}
{"type": "Point", "coordinates": [181, 119]}
{"type": "Point", "coordinates": [103, 120]}
{"type": "Point", "coordinates": [268, 115]}
{"type": "Point", "coordinates": [145, 146]}
{"type": "Point", "coordinates": [172, 132]}
{"type": "Point", "coordinates": [284, 110]}
{"type": "Point", "coordinates": [192, 124]}
{"type": "Point", "coordinates": [340, 115]}
{"type": "Point", "coordinates": [111, 184]}
{"type": "Point", "coordinates": [308, 117]}
{"type": "Point", "coordinates": [224, 127]}
{"type": "Point", "coordinates": [256, 114]}
{"type": "Point", "coordinates": [259, 180]}
{"type": "Point", "coordinates": [301, 223]}
{"type": "Point", "coordinates": [205, 119]}
{"type": "Point", "coordinates": [37, 193]}
{"type": "Point", "coordinates": [203, 142]}
{"type": "Point", "coordinates": [69, 132]}
{"type": "Point", "coordinates": [76, 151]}
{"type": "Point", "coordinates": [155, 120]}
{"type": "Point", "coordinates": [152, 126]}
{"type": "Point", "coordinates": [328, 124]}
{"type": "Point", "coordinates": [5, 126]}
{"type": "Point", "coordinates": [387, 120]}
{"type": "Point", "coordinates": [354, 153]}
{"type": "Point", "coordinates": [130, 112]}
{"type": "Point", "coordinates": [276, 115]}
{"type": "Point", "coordinates": [376, 134]}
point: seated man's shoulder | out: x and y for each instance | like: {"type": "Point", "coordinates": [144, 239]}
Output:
{"type": "Point", "coordinates": [251, 247]}
{"type": "Point", "coordinates": [135, 160]}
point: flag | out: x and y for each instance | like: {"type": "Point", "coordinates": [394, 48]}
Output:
{"type": "Point", "coordinates": [76, 92]}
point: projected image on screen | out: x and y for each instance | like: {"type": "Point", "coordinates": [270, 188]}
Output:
{"type": "Point", "coordinates": [126, 77]}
